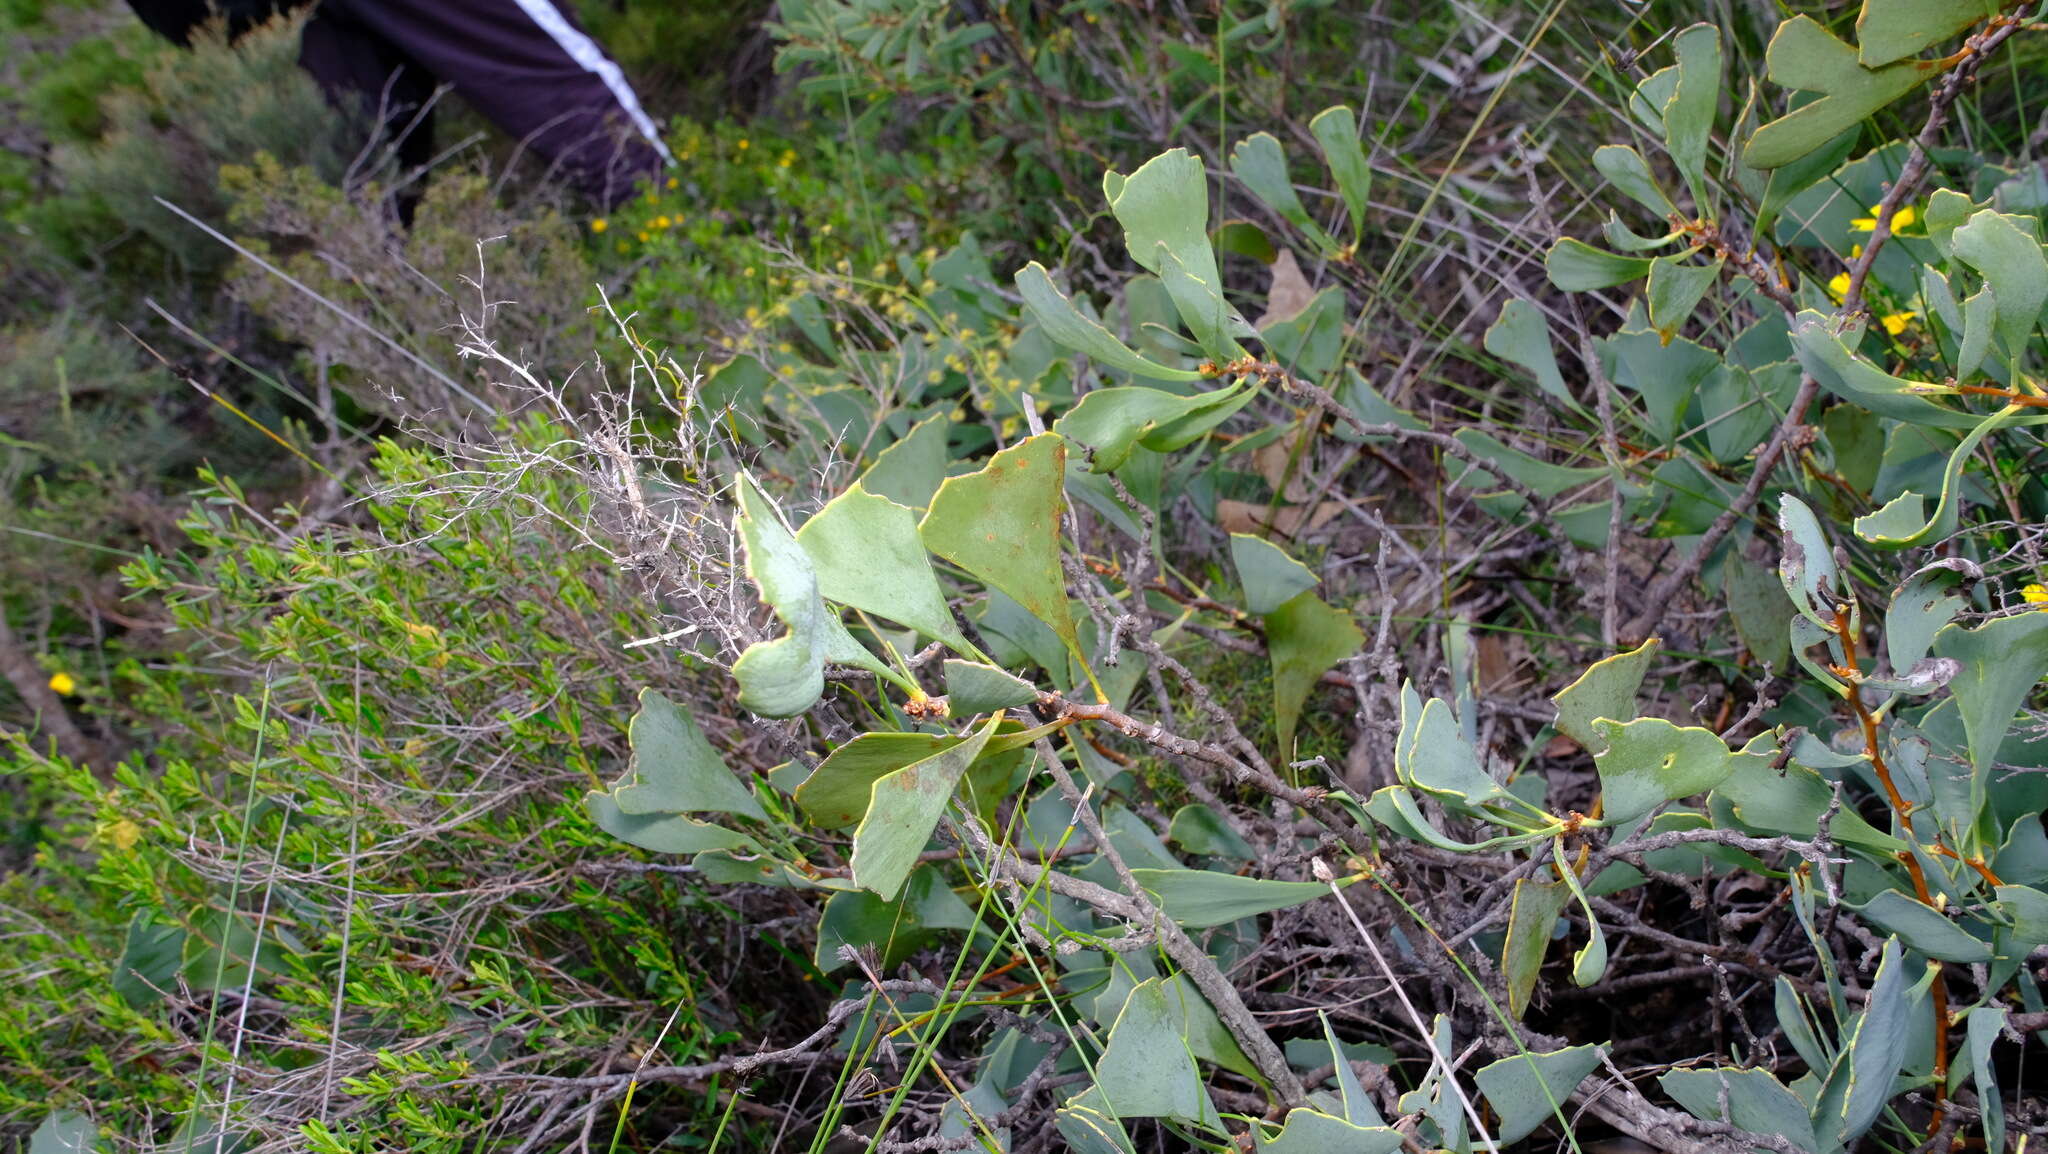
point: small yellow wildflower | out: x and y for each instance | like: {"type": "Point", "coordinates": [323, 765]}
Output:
{"type": "Point", "coordinates": [2036, 594]}
{"type": "Point", "coordinates": [599, 225]}
{"type": "Point", "coordinates": [624, 247]}
{"type": "Point", "coordinates": [63, 684]}
{"type": "Point", "coordinates": [1839, 286]}
{"type": "Point", "coordinates": [122, 834]}
{"type": "Point", "coordinates": [1900, 220]}
{"type": "Point", "coordinates": [645, 236]}
{"type": "Point", "coordinates": [1895, 323]}
{"type": "Point", "coordinates": [672, 183]}
{"type": "Point", "coordinates": [744, 144]}
{"type": "Point", "coordinates": [934, 377]}
{"type": "Point", "coordinates": [747, 272]}
{"type": "Point", "coordinates": [662, 222]}
{"type": "Point", "coordinates": [788, 158]}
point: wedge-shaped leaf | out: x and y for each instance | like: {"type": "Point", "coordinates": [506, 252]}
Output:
{"type": "Point", "coordinates": [1147, 1071]}
{"type": "Point", "coordinates": [1520, 336]}
{"type": "Point", "coordinates": [1630, 175]}
{"type": "Point", "coordinates": [1310, 1131]}
{"type": "Point", "coordinates": [2004, 252]}
{"type": "Point", "coordinates": [1888, 30]}
{"type": "Point", "coordinates": [1576, 266]}
{"type": "Point", "coordinates": [1002, 525]}
{"type": "Point", "coordinates": [836, 794]}
{"type": "Point", "coordinates": [1532, 919]}
{"type": "Point", "coordinates": [1200, 830]}
{"type": "Point", "coordinates": [1789, 180]}
{"type": "Point", "coordinates": [1900, 524]}
{"type": "Point", "coordinates": [1806, 56]}
{"type": "Point", "coordinates": [1528, 1089]}
{"type": "Point", "coordinates": [1675, 290]}
{"type": "Point", "coordinates": [1068, 326]}
{"type": "Point", "coordinates": [1806, 565]}
{"type": "Point", "coordinates": [1165, 205]}
{"type": "Point", "coordinates": [1924, 928]}
{"type": "Point", "coordinates": [1441, 762]}
{"type": "Point", "coordinates": [1304, 637]}
{"type": "Point", "coordinates": [150, 959]}
{"type": "Point", "coordinates": [1821, 352]}
{"type": "Point", "coordinates": [1758, 606]}
{"type": "Point", "coordinates": [1260, 163]}
{"type": "Point", "coordinates": [1198, 899]}
{"type": "Point", "coordinates": [1986, 1024]}
{"type": "Point", "coordinates": [2001, 663]}
{"type": "Point", "coordinates": [1088, 1128]}
{"type": "Point", "coordinates": [2028, 909]}
{"type": "Point", "coordinates": [1358, 1107]}
{"type": "Point", "coordinates": [1689, 116]}
{"type": "Point", "coordinates": [1608, 689]}
{"type": "Point", "coordinates": [972, 687]}
{"type": "Point", "coordinates": [1270, 577]}
{"type": "Point", "coordinates": [784, 677]}
{"type": "Point", "coordinates": [1980, 319]}
{"type": "Point", "coordinates": [674, 769]}
{"type": "Point", "coordinates": [903, 809]}
{"type": "Point", "coordinates": [1336, 130]}
{"type": "Point", "coordinates": [1215, 325]}
{"type": "Point", "coordinates": [909, 471]}
{"type": "Point", "coordinates": [868, 556]}
{"type": "Point", "coordinates": [1757, 1102]}
{"type": "Point", "coordinates": [893, 929]}
{"type": "Point", "coordinates": [1649, 761]}
{"type": "Point", "coordinates": [1791, 802]}
{"type": "Point", "coordinates": [1922, 605]}
{"type": "Point", "coordinates": [1545, 478]}
{"type": "Point", "coordinates": [1665, 372]}
{"type": "Point", "coordinates": [661, 832]}
{"type": "Point", "coordinates": [1873, 1055]}
{"type": "Point", "coordinates": [64, 1132]}
{"type": "Point", "coordinates": [1115, 421]}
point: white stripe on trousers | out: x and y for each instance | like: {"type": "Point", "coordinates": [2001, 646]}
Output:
{"type": "Point", "coordinates": [584, 51]}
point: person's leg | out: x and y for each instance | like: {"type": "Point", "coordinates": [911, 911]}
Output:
{"type": "Point", "coordinates": [354, 65]}
{"type": "Point", "coordinates": [526, 66]}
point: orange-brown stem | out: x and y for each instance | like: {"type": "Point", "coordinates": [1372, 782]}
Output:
{"type": "Point", "coordinates": [1903, 812]}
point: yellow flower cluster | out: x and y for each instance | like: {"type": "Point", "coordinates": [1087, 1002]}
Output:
{"type": "Point", "coordinates": [2036, 594]}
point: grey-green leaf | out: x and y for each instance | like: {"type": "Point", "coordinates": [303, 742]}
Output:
{"type": "Point", "coordinates": [1270, 577]}
{"type": "Point", "coordinates": [1608, 689]}
{"type": "Point", "coordinates": [1529, 1088]}
{"type": "Point", "coordinates": [1068, 326]}
{"type": "Point", "coordinates": [972, 687]}
{"type": "Point", "coordinates": [1199, 899]}
{"type": "Point", "coordinates": [1147, 1071]}
{"type": "Point", "coordinates": [1520, 336]}
{"type": "Point", "coordinates": [674, 769]}
{"type": "Point", "coordinates": [867, 554]}
{"type": "Point", "coordinates": [904, 808]}
{"type": "Point", "coordinates": [1649, 761]}
{"type": "Point", "coordinates": [1576, 266]}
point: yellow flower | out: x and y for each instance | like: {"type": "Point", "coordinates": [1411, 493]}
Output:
{"type": "Point", "coordinates": [744, 144]}
{"type": "Point", "coordinates": [64, 684]}
{"type": "Point", "coordinates": [2036, 594]}
{"type": "Point", "coordinates": [672, 182]}
{"type": "Point", "coordinates": [645, 236]}
{"type": "Point", "coordinates": [1900, 220]}
{"type": "Point", "coordinates": [788, 158]}
{"type": "Point", "coordinates": [1839, 286]}
{"type": "Point", "coordinates": [122, 834]}
{"type": "Point", "coordinates": [599, 225]}
{"type": "Point", "coordinates": [1895, 323]}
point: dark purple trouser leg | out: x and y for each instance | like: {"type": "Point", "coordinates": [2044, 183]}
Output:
{"type": "Point", "coordinates": [524, 64]}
